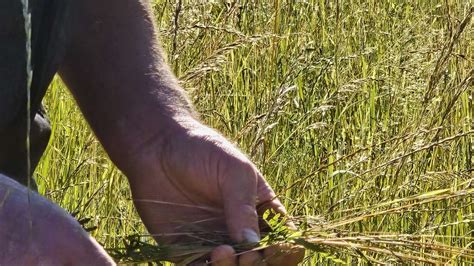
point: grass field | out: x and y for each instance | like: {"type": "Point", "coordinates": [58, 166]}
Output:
{"type": "Point", "coordinates": [359, 113]}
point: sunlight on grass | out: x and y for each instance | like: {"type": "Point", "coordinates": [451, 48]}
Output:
{"type": "Point", "coordinates": [360, 115]}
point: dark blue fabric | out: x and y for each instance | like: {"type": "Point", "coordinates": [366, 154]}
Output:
{"type": "Point", "coordinates": [48, 45]}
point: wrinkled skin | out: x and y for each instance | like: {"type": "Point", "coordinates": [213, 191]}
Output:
{"type": "Point", "coordinates": [185, 177]}
{"type": "Point", "coordinates": [197, 184]}
{"type": "Point", "coordinates": [36, 232]}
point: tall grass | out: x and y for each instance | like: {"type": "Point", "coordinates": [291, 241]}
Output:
{"type": "Point", "coordinates": [359, 113]}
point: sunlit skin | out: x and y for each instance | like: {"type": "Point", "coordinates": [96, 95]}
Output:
{"type": "Point", "coordinates": [34, 231]}
{"type": "Point", "coordinates": [183, 174]}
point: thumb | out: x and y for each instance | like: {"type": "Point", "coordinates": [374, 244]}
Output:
{"type": "Point", "coordinates": [239, 191]}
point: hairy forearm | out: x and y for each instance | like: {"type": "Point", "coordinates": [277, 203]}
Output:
{"type": "Point", "coordinates": [116, 72]}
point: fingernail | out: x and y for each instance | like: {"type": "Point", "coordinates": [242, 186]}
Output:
{"type": "Point", "coordinates": [250, 236]}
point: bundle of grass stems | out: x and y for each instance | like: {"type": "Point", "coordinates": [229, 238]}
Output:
{"type": "Point", "coordinates": [331, 241]}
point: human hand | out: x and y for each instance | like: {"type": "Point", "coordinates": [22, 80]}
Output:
{"type": "Point", "coordinates": [34, 231]}
{"type": "Point", "coordinates": [190, 186]}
